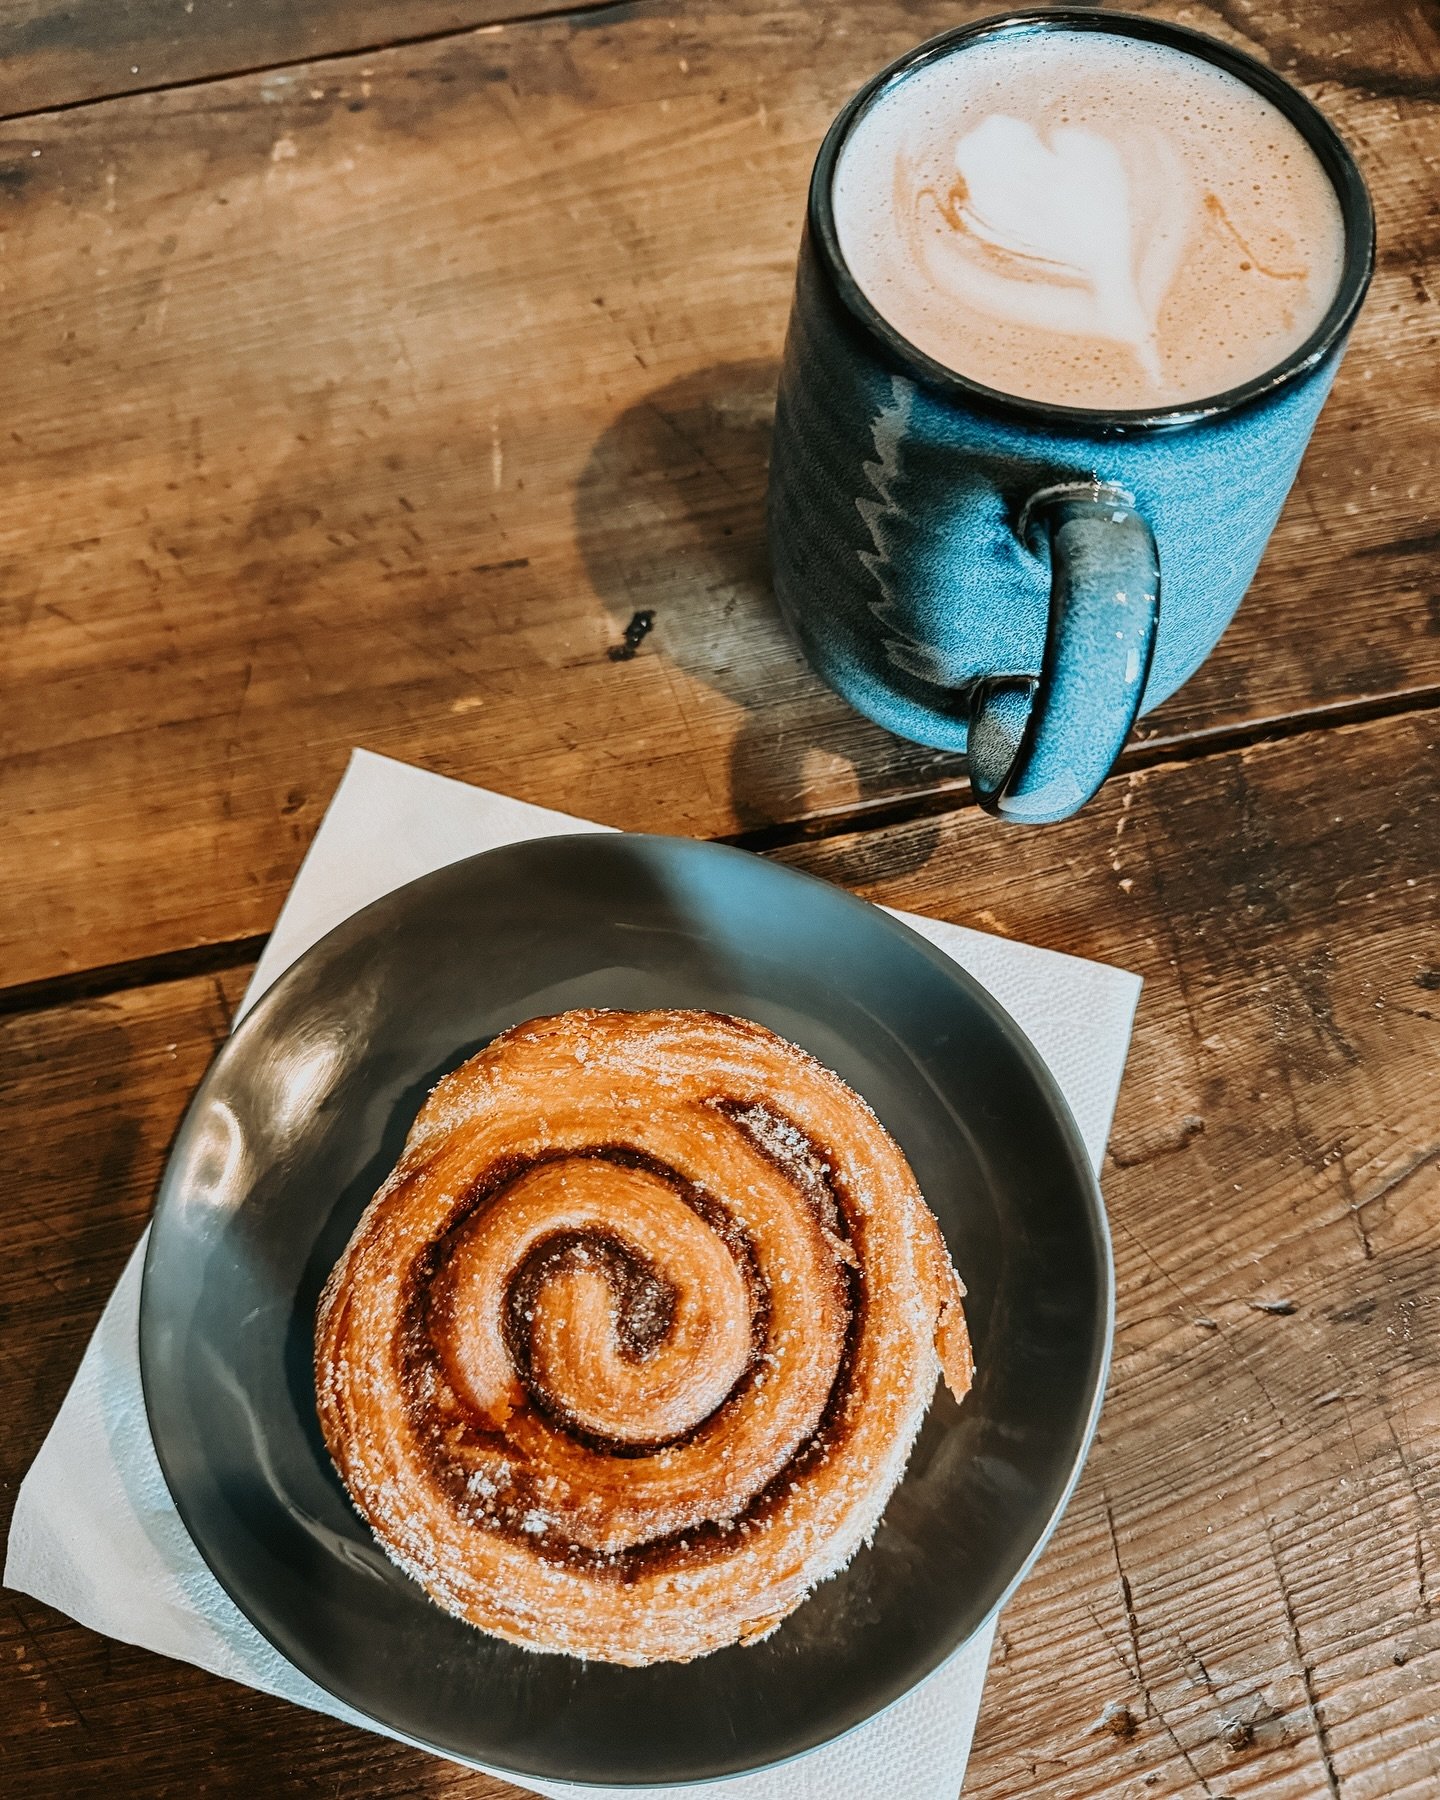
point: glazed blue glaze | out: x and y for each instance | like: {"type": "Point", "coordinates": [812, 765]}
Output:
{"type": "Point", "coordinates": [895, 517]}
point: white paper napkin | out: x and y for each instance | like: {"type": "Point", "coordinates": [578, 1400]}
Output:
{"type": "Point", "coordinates": [95, 1533]}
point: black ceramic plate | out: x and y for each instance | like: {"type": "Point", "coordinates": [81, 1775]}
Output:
{"type": "Point", "coordinates": [304, 1112]}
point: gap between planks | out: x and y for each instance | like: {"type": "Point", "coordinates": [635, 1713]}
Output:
{"type": "Point", "coordinates": [582, 9]}
{"type": "Point", "coordinates": [104, 979]}
{"type": "Point", "coordinates": [1138, 754]}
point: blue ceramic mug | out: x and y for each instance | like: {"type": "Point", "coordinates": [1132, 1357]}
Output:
{"type": "Point", "coordinates": [983, 573]}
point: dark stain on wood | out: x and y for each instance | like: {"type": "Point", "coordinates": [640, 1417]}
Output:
{"type": "Point", "coordinates": [637, 629]}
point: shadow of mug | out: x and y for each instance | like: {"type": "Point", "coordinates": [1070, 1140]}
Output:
{"type": "Point", "coordinates": [670, 518]}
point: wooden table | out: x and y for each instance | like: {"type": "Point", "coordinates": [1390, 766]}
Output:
{"type": "Point", "coordinates": [366, 367]}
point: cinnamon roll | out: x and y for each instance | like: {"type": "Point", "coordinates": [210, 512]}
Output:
{"type": "Point", "coordinates": [630, 1350]}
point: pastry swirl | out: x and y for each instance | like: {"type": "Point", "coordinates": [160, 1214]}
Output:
{"type": "Point", "coordinates": [630, 1349]}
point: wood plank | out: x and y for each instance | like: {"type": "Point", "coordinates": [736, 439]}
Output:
{"type": "Point", "coordinates": [103, 1085]}
{"type": "Point", "coordinates": [1246, 1577]}
{"type": "Point", "coordinates": [57, 53]}
{"type": "Point", "coordinates": [366, 403]}
{"type": "Point", "coordinates": [63, 52]}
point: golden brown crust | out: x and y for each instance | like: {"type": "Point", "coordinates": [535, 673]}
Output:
{"type": "Point", "coordinates": [630, 1349]}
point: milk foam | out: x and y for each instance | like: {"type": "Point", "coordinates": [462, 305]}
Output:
{"type": "Point", "coordinates": [1090, 219]}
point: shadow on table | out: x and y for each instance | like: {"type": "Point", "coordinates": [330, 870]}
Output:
{"type": "Point", "coordinates": [670, 517]}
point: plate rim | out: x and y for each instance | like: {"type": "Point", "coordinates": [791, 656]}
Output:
{"type": "Point", "coordinates": [948, 969]}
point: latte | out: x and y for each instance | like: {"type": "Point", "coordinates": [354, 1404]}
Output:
{"type": "Point", "coordinates": [1088, 219]}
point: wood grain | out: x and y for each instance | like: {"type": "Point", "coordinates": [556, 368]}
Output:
{"type": "Point", "coordinates": [102, 1086]}
{"type": "Point", "coordinates": [1247, 1576]}
{"type": "Point", "coordinates": [56, 53]}
{"type": "Point", "coordinates": [1246, 1579]}
{"type": "Point", "coordinates": [366, 402]}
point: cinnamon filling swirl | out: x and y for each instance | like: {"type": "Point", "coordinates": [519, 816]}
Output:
{"type": "Point", "coordinates": [630, 1349]}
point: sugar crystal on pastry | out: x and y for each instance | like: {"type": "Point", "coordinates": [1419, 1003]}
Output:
{"type": "Point", "coordinates": [630, 1349]}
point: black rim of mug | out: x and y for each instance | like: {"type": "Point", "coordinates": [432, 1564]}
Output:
{"type": "Point", "coordinates": [1330, 149]}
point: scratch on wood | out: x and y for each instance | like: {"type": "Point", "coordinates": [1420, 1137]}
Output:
{"type": "Point", "coordinates": [225, 1013]}
{"type": "Point", "coordinates": [1422, 1161]}
{"type": "Point", "coordinates": [694, 445]}
{"type": "Point", "coordinates": [244, 693]}
{"type": "Point", "coordinates": [492, 568]}
{"type": "Point", "coordinates": [1157, 1265]}
{"type": "Point", "coordinates": [51, 1669]}
{"type": "Point", "coordinates": [1194, 1658]}
{"type": "Point", "coordinates": [1131, 1621]}
{"type": "Point", "coordinates": [1422, 1578]}
{"type": "Point", "coordinates": [1307, 1675]}
{"type": "Point", "coordinates": [1347, 1188]}
{"type": "Point", "coordinates": [1104, 1631]}
{"type": "Point", "coordinates": [1231, 1344]}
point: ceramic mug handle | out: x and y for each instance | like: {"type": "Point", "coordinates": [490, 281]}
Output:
{"type": "Point", "coordinates": [1041, 745]}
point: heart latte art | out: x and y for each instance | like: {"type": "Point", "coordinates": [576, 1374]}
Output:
{"type": "Point", "coordinates": [1055, 234]}
{"type": "Point", "coordinates": [1087, 219]}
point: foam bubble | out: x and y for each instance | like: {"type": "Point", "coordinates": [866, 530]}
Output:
{"type": "Point", "coordinates": [1087, 218]}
